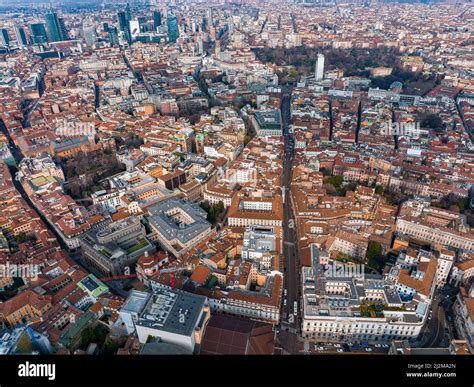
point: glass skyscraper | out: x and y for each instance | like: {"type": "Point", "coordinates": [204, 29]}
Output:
{"type": "Point", "coordinates": [173, 30]}
{"type": "Point", "coordinates": [53, 27]}
{"type": "Point", "coordinates": [21, 36]}
{"type": "Point", "coordinates": [156, 19]}
{"type": "Point", "coordinates": [63, 30]}
{"type": "Point", "coordinates": [124, 22]}
{"type": "Point", "coordinates": [38, 33]}
{"type": "Point", "coordinates": [4, 38]}
{"type": "Point", "coordinates": [113, 36]}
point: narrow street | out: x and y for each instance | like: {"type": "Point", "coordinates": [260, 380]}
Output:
{"type": "Point", "coordinates": [290, 319]}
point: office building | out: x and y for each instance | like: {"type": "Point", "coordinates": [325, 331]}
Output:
{"type": "Point", "coordinates": [156, 19]}
{"type": "Point", "coordinates": [320, 67]}
{"type": "Point", "coordinates": [38, 33]}
{"type": "Point", "coordinates": [88, 32]}
{"type": "Point", "coordinates": [173, 317]}
{"type": "Point", "coordinates": [260, 245]}
{"type": "Point", "coordinates": [173, 30]}
{"type": "Point", "coordinates": [343, 305]}
{"type": "Point", "coordinates": [124, 25]}
{"type": "Point", "coordinates": [62, 29]}
{"type": "Point", "coordinates": [4, 38]}
{"type": "Point", "coordinates": [21, 37]}
{"type": "Point", "coordinates": [134, 28]}
{"type": "Point", "coordinates": [179, 225]}
{"type": "Point", "coordinates": [109, 250]}
{"type": "Point", "coordinates": [267, 123]}
{"type": "Point", "coordinates": [113, 36]}
{"type": "Point", "coordinates": [53, 28]}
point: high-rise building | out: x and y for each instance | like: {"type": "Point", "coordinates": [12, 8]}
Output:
{"type": "Point", "coordinates": [88, 32]}
{"type": "Point", "coordinates": [124, 24]}
{"type": "Point", "coordinates": [63, 30]}
{"type": "Point", "coordinates": [4, 38]}
{"type": "Point", "coordinates": [173, 30]}
{"type": "Point", "coordinates": [53, 27]}
{"type": "Point", "coordinates": [128, 12]}
{"type": "Point", "coordinates": [38, 33]}
{"type": "Point", "coordinates": [209, 17]}
{"type": "Point", "coordinates": [320, 67]}
{"type": "Point", "coordinates": [156, 19]}
{"type": "Point", "coordinates": [21, 37]}
{"type": "Point", "coordinates": [113, 36]}
{"type": "Point", "coordinates": [134, 26]}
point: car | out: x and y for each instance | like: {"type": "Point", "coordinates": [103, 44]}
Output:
{"type": "Point", "coordinates": [350, 344]}
{"type": "Point", "coordinates": [368, 350]}
{"type": "Point", "coordinates": [320, 348]}
{"type": "Point", "coordinates": [340, 350]}
{"type": "Point", "coordinates": [385, 345]}
{"type": "Point", "coordinates": [378, 345]}
{"type": "Point", "coordinates": [285, 292]}
{"type": "Point", "coordinates": [337, 345]}
{"type": "Point", "coordinates": [284, 302]}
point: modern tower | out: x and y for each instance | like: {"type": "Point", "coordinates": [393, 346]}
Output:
{"type": "Point", "coordinates": [173, 30]}
{"type": "Point", "coordinates": [113, 36]}
{"type": "Point", "coordinates": [128, 12]}
{"type": "Point", "coordinates": [21, 37]}
{"type": "Point", "coordinates": [134, 28]}
{"type": "Point", "coordinates": [63, 30]}
{"type": "Point", "coordinates": [124, 23]}
{"type": "Point", "coordinates": [88, 32]}
{"type": "Point", "coordinates": [38, 33]}
{"type": "Point", "coordinates": [53, 26]}
{"type": "Point", "coordinates": [209, 17]}
{"type": "Point", "coordinates": [319, 73]}
{"type": "Point", "coordinates": [156, 19]}
{"type": "Point", "coordinates": [4, 38]}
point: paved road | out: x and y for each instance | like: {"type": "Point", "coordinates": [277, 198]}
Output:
{"type": "Point", "coordinates": [290, 262]}
{"type": "Point", "coordinates": [433, 333]}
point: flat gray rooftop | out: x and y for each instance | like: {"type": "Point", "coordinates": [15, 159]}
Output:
{"type": "Point", "coordinates": [173, 311]}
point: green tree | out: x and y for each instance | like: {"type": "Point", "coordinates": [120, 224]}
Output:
{"type": "Point", "coordinates": [293, 73]}
{"type": "Point", "coordinates": [335, 181]}
{"type": "Point", "coordinates": [379, 190]}
{"type": "Point", "coordinates": [374, 251]}
{"type": "Point", "coordinates": [110, 347]}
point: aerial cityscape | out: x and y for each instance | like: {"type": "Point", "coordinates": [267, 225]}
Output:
{"type": "Point", "coordinates": [238, 177]}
